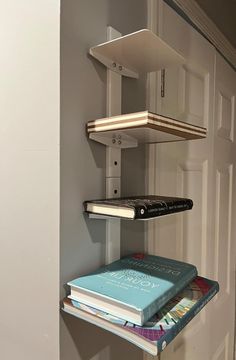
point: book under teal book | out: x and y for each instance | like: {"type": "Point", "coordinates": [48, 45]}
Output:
{"type": "Point", "coordinates": [134, 287]}
{"type": "Point", "coordinates": [163, 327]}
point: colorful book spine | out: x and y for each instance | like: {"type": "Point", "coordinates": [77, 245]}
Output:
{"type": "Point", "coordinates": [184, 312]}
{"type": "Point", "coordinates": [163, 299]}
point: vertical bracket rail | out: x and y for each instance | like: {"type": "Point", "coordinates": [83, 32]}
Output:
{"type": "Point", "coordinates": [113, 158]}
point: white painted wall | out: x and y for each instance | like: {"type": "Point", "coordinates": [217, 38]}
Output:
{"type": "Point", "coordinates": [29, 179]}
{"type": "Point", "coordinates": [29, 170]}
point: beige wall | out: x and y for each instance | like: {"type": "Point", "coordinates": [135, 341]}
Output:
{"type": "Point", "coordinates": [83, 98]}
{"type": "Point", "coordinates": [29, 179]}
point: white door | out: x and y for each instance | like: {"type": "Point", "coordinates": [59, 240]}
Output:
{"type": "Point", "coordinates": [201, 92]}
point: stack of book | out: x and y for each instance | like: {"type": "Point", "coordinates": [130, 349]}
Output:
{"type": "Point", "coordinates": [144, 299]}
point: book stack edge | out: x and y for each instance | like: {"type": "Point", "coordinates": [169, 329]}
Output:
{"type": "Point", "coordinates": [144, 299]}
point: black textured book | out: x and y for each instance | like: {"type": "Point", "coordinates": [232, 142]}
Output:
{"type": "Point", "coordinates": [138, 207]}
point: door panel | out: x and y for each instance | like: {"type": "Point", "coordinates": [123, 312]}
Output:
{"type": "Point", "coordinates": [225, 118]}
{"type": "Point", "coordinates": [191, 179]}
{"type": "Point", "coordinates": [221, 352]}
{"type": "Point", "coordinates": [193, 86]}
{"type": "Point", "coordinates": [223, 226]}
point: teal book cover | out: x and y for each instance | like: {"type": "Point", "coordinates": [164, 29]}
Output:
{"type": "Point", "coordinates": [134, 287]}
{"type": "Point", "coordinates": [163, 327]}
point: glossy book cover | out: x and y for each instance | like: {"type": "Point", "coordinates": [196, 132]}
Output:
{"type": "Point", "coordinates": [139, 283]}
{"type": "Point", "coordinates": [163, 327]}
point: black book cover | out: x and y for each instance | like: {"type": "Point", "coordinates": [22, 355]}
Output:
{"type": "Point", "coordinates": [139, 207]}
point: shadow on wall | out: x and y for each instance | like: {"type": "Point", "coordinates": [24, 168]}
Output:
{"type": "Point", "coordinates": [90, 341]}
{"type": "Point", "coordinates": [127, 15]}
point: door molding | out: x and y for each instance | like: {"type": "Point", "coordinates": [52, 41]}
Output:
{"type": "Point", "coordinates": [208, 28]}
{"type": "Point", "coordinates": [202, 22]}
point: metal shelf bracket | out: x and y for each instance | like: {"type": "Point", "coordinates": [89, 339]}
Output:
{"type": "Point", "coordinates": [113, 159]}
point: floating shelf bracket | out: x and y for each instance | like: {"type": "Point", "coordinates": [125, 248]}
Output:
{"type": "Point", "coordinates": [113, 159]}
{"type": "Point", "coordinates": [112, 65]}
{"type": "Point", "coordinates": [116, 139]}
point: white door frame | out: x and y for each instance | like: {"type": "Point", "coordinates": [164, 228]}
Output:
{"type": "Point", "coordinates": [199, 18]}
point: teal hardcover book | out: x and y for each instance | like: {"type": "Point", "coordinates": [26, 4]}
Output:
{"type": "Point", "coordinates": [133, 288]}
{"type": "Point", "coordinates": [163, 327]}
